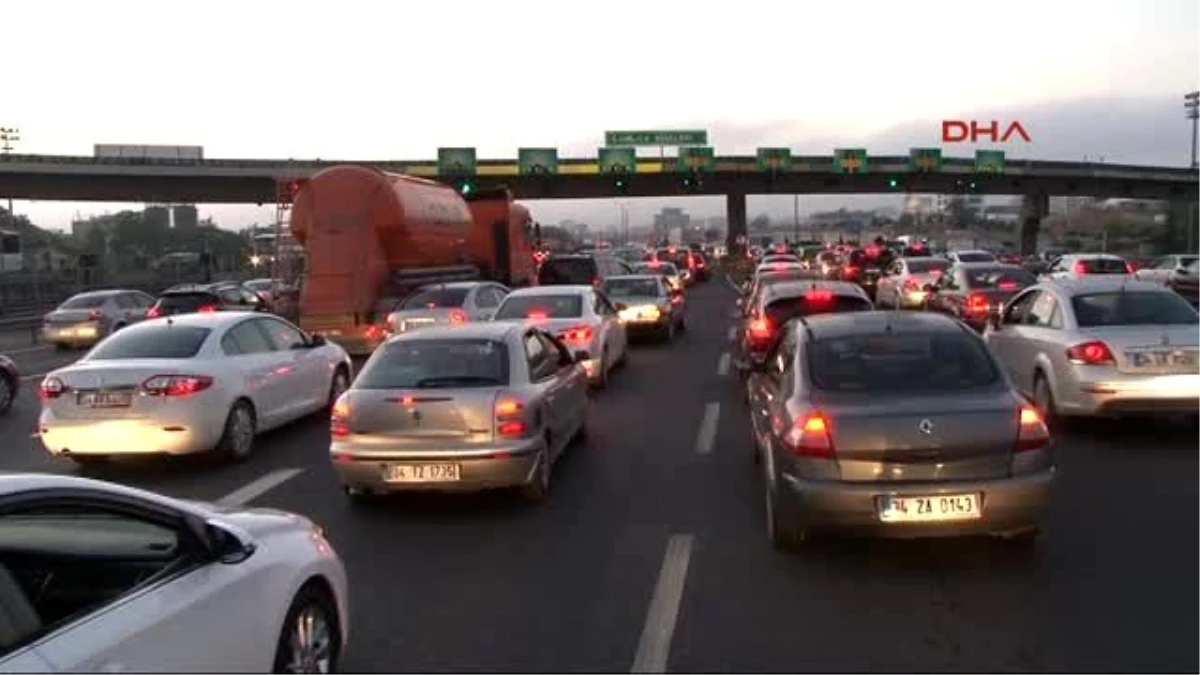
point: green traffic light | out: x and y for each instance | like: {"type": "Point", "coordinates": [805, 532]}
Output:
{"type": "Point", "coordinates": [974, 185]}
{"type": "Point", "coordinates": [467, 188]}
{"type": "Point", "coordinates": [893, 182]}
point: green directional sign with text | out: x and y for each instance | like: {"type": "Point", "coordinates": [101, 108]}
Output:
{"type": "Point", "coordinates": [618, 160]}
{"type": "Point", "coordinates": [456, 161]}
{"type": "Point", "coordinates": [989, 161]}
{"type": "Point", "coordinates": [695, 159]}
{"type": "Point", "coordinates": [850, 160]}
{"type": "Point", "coordinates": [535, 161]}
{"type": "Point", "coordinates": [774, 159]}
{"type": "Point", "coordinates": [633, 139]}
{"type": "Point", "coordinates": [925, 159]}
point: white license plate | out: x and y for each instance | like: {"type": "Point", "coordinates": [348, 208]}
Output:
{"type": "Point", "coordinates": [1151, 359]}
{"type": "Point", "coordinates": [106, 399]}
{"type": "Point", "coordinates": [409, 324]}
{"type": "Point", "coordinates": [928, 509]}
{"type": "Point", "coordinates": [422, 473]}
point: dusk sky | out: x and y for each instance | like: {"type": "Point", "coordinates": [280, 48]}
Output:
{"type": "Point", "coordinates": [370, 80]}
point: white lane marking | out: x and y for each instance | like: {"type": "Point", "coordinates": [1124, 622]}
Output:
{"type": "Point", "coordinates": [729, 282]}
{"type": "Point", "coordinates": [258, 487]}
{"type": "Point", "coordinates": [708, 428]}
{"type": "Point", "coordinates": [723, 365]}
{"type": "Point", "coordinates": [654, 647]}
{"type": "Point", "coordinates": [27, 350]}
{"type": "Point", "coordinates": [35, 376]}
{"type": "Point", "coordinates": [732, 333]}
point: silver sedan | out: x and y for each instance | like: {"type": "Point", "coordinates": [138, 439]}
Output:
{"type": "Point", "coordinates": [456, 302]}
{"type": "Point", "coordinates": [84, 319]}
{"type": "Point", "coordinates": [462, 408]}
{"type": "Point", "coordinates": [896, 424]}
{"type": "Point", "coordinates": [1101, 346]}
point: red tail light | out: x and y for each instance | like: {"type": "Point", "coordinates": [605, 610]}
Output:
{"type": "Point", "coordinates": [1093, 353]}
{"type": "Point", "coordinates": [1129, 269]}
{"type": "Point", "coordinates": [536, 315]}
{"type": "Point", "coordinates": [458, 317]}
{"type": "Point", "coordinates": [51, 388]}
{"type": "Point", "coordinates": [819, 296]}
{"type": "Point", "coordinates": [374, 332]}
{"type": "Point", "coordinates": [676, 299]}
{"type": "Point", "coordinates": [1079, 268]}
{"type": "Point", "coordinates": [1032, 432]}
{"type": "Point", "coordinates": [811, 437]}
{"type": "Point", "coordinates": [509, 412]}
{"type": "Point", "coordinates": [760, 328]}
{"type": "Point", "coordinates": [578, 335]}
{"type": "Point", "coordinates": [339, 419]}
{"type": "Point", "coordinates": [176, 385]}
{"type": "Point", "coordinates": [911, 284]}
{"type": "Point", "coordinates": [850, 270]}
{"type": "Point", "coordinates": [95, 315]}
{"type": "Point", "coordinates": [977, 304]}
{"type": "Point", "coordinates": [152, 313]}
{"type": "Point", "coordinates": [206, 308]}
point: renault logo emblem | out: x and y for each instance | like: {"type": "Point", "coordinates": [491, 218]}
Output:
{"type": "Point", "coordinates": [925, 427]}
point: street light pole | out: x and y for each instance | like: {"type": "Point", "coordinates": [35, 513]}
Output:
{"type": "Point", "coordinates": [1191, 106]}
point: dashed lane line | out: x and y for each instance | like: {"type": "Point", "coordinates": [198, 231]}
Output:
{"type": "Point", "coordinates": [27, 350]}
{"type": "Point", "coordinates": [708, 428]}
{"type": "Point", "coordinates": [654, 647]}
{"type": "Point", "coordinates": [723, 365]}
{"type": "Point", "coordinates": [257, 487]}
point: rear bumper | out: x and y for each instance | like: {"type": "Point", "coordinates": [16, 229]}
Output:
{"type": "Point", "coordinates": [502, 465]}
{"type": "Point", "coordinates": [180, 436]}
{"type": "Point", "coordinates": [1007, 505]}
{"type": "Point", "coordinates": [1148, 395]}
{"type": "Point", "coordinates": [76, 335]}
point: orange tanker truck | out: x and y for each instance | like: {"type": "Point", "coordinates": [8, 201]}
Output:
{"type": "Point", "coordinates": [370, 237]}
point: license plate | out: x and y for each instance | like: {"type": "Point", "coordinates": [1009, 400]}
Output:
{"type": "Point", "coordinates": [928, 509]}
{"type": "Point", "coordinates": [414, 323]}
{"type": "Point", "coordinates": [105, 399]}
{"type": "Point", "coordinates": [422, 473]}
{"type": "Point", "coordinates": [1153, 359]}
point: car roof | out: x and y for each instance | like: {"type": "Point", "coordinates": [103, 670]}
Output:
{"type": "Point", "coordinates": [1093, 256]}
{"type": "Point", "coordinates": [825, 326]}
{"type": "Point", "coordinates": [648, 277]}
{"type": "Point", "coordinates": [452, 285]}
{"type": "Point", "coordinates": [570, 256]}
{"type": "Point", "coordinates": [986, 266]}
{"type": "Point", "coordinates": [564, 289]}
{"type": "Point", "coordinates": [102, 292]}
{"type": "Point", "coordinates": [18, 482]}
{"type": "Point", "coordinates": [473, 330]}
{"type": "Point", "coordinates": [1102, 283]}
{"type": "Point", "coordinates": [793, 288]}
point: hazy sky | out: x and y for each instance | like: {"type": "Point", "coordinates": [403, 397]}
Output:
{"type": "Point", "coordinates": [375, 80]}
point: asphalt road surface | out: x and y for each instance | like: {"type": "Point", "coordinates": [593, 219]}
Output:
{"type": "Point", "coordinates": [651, 553]}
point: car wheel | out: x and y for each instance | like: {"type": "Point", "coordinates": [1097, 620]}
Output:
{"type": "Point", "coordinates": [669, 332]}
{"type": "Point", "coordinates": [238, 439]}
{"type": "Point", "coordinates": [310, 640]}
{"type": "Point", "coordinates": [339, 385]}
{"type": "Point", "coordinates": [783, 530]}
{"type": "Point", "coordinates": [602, 371]}
{"type": "Point", "coordinates": [7, 389]}
{"type": "Point", "coordinates": [538, 489]}
{"type": "Point", "coordinates": [1043, 398]}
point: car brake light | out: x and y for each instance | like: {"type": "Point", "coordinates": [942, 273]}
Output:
{"type": "Point", "coordinates": [458, 317]}
{"type": "Point", "coordinates": [819, 296]}
{"type": "Point", "coordinates": [578, 334]}
{"type": "Point", "coordinates": [760, 328]}
{"type": "Point", "coordinates": [374, 332]}
{"type": "Point", "coordinates": [1079, 267]}
{"type": "Point", "coordinates": [51, 388]}
{"type": "Point", "coordinates": [536, 315]}
{"type": "Point", "coordinates": [94, 315]}
{"type": "Point", "coordinates": [810, 437]}
{"type": "Point", "coordinates": [850, 270]}
{"type": "Point", "coordinates": [1093, 353]}
{"type": "Point", "coordinates": [1129, 268]}
{"type": "Point", "coordinates": [1032, 432]}
{"type": "Point", "coordinates": [176, 385]}
{"type": "Point", "coordinates": [911, 284]}
{"type": "Point", "coordinates": [339, 418]}
{"type": "Point", "coordinates": [206, 308]}
{"type": "Point", "coordinates": [977, 304]}
{"type": "Point", "coordinates": [1007, 285]}
{"type": "Point", "coordinates": [152, 313]}
{"type": "Point", "coordinates": [509, 414]}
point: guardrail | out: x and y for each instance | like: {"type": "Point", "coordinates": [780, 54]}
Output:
{"type": "Point", "coordinates": [31, 323]}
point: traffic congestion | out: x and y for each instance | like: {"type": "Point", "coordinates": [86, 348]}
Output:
{"type": "Point", "coordinates": [818, 406]}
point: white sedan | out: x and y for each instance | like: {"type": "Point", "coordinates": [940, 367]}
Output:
{"type": "Point", "coordinates": [189, 383]}
{"type": "Point", "coordinates": [98, 577]}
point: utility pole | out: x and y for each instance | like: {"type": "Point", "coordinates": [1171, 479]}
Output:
{"type": "Point", "coordinates": [1191, 104]}
{"type": "Point", "coordinates": [8, 136]}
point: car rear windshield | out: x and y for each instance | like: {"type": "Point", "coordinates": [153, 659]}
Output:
{"type": "Point", "coordinates": [1102, 266]}
{"type": "Point", "coordinates": [432, 298]}
{"type": "Point", "coordinates": [912, 362]}
{"type": "Point", "coordinates": [567, 271]}
{"type": "Point", "coordinates": [541, 307]}
{"type": "Point", "coordinates": [661, 268]}
{"type": "Point", "coordinates": [782, 310]}
{"type": "Point", "coordinates": [1133, 308]}
{"type": "Point", "coordinates": [999, 278]}
{"type": "Point", "coordinates": [186, 302]}
{"type": "Point", "coordinates": [975, 257]}
{"type": "Point", "coordinates": [84, 302]}
{"type": "Point", "coordinates": [630, 288]}
{"type": "Point", "coordinates": [161, 341]}
{"type": "Point", "coordinates": [435, 364]}
{"type": "Point", "coordinates": [926, 265]}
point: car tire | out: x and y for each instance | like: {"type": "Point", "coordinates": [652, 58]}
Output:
{"type": "Point", "coordinates": [783, 530]}
{"type": "Point", "coordinates": [310, 639]}
{"type": "Point", "coordinates": [8, 393]}
{"type": "Point", "coordinates": [237, 440]}
{"type": "Point", "coordinates": [602, 371]}
{"type": "Point", "coordinates": [538, 489]}
{"type": "Point", "coordinates": [1043, 398]}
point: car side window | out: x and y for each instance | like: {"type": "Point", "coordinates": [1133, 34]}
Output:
{"type": "Point", "coordinates": [124, 301]}
{"type": "Point", "coordinates": [245, 339]}
{"type": "Point", "coordinates": [536, 356]}
{"type": "Point", "coordinates": [249, 297]}
{"type": "Point", "coordinates": [1014, 314]}
{"type": "Point", "coordinates": [1041, 311]}
{"type": "Point", "coordinates": [487, 298]}
{"type": "Point", "coordinates": [785, 356]}
{"type": "Point", "coordinates": [229, 296]}
{"type": "Point", "coordinates": [557, 354]}
{"type": "Point", "coordinates": [64, 561]}
{"type": "Point", "coordinates": [603, 306]}
{"type": "Point", "coordinates": [282, 336]}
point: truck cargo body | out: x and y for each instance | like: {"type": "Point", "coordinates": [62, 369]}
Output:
{"type": "Point", "coordinates": [371, 237]}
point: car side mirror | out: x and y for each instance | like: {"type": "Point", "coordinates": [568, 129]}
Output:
{"type": "Point", "coordinates": [317, 340]}
{"type": "Point", "coordinates": [228, 543]}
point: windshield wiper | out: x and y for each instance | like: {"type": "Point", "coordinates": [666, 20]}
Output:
{"type": "Point", "coordinates": [435, 382]}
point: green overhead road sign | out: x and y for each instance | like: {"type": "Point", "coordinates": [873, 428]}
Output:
{"type": "Point", "coordinates": [456, 161]}
{"type": "Point", "coordinates": [630, 139]}
{"type": "Point", "coordinates": [774, 159]}
{"type": "Point", "coordinates": [850, 160]}
{"type": "Point", "coordinates": [537, 161]}
{"type": "Point", "coordinates": [989, 161]}
{"type": "Point", "coordinates": [695, 159]}
{"type": "Point", "coordinates": [618, 160]}
{"type": "Point", "coordinates": [925, 160]}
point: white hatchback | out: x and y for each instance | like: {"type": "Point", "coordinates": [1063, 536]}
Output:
{"type": "Point", "coordinates": [189, 383]}
{"type": "Point", "coordinates": [102, 578]}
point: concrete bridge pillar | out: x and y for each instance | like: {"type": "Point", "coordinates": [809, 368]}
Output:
{"type": "Point", "coordinates": [735, 222]}
{"type": "Point", "coordinates": [1033, 209]}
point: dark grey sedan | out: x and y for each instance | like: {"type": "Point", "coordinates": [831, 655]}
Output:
{"type": "Point", "coordinates": [894, 424]}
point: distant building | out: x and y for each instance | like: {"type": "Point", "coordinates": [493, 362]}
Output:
{"type": "Point", "coordinates": [186, 217]}
{"type": "Point", "coordinates": [157, 218]}
{"type": "Point", "coordinates": [671, 217]}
